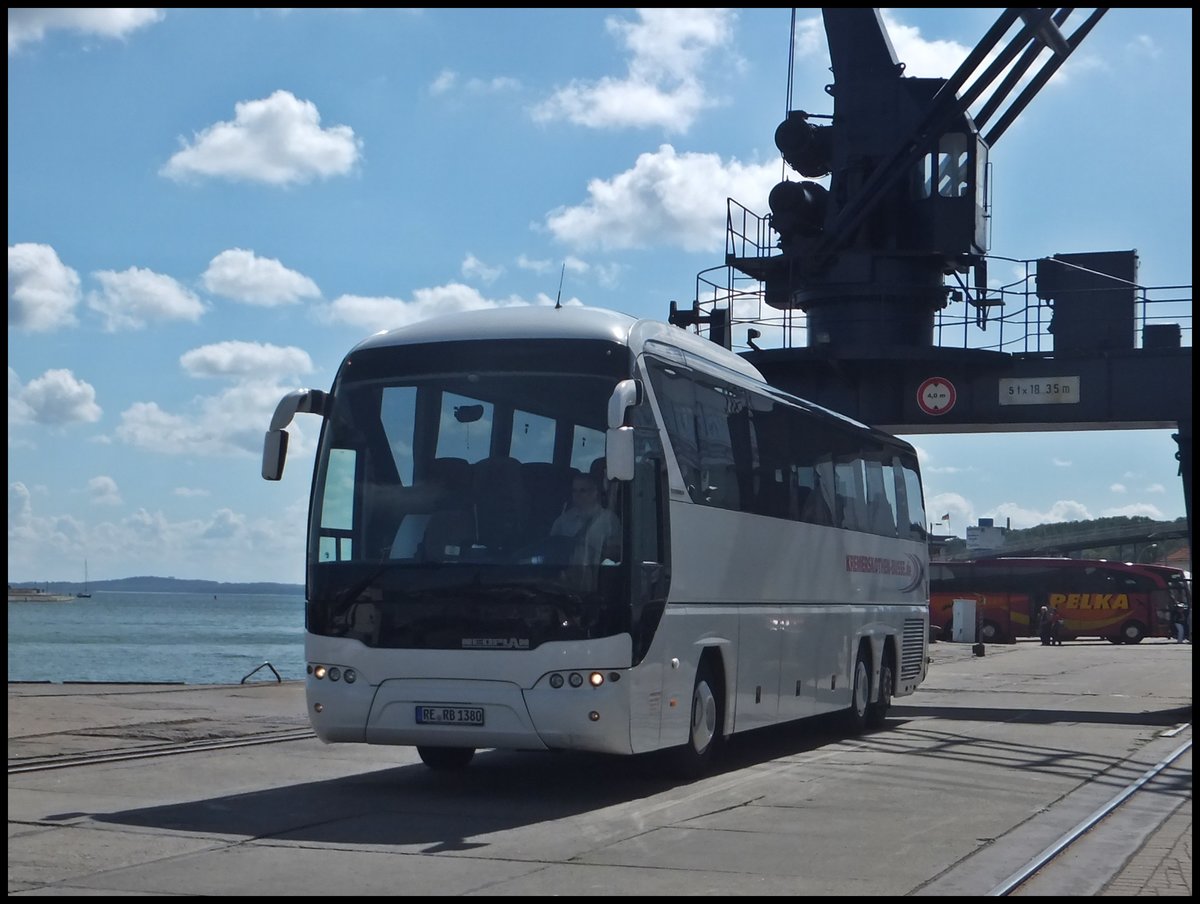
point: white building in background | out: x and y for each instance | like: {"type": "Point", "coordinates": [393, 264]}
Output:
{"type": "Point", "coordinates": [985, 538]}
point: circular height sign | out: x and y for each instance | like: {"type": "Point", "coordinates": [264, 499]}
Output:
{"type": "Point", "coordinates": [936, 396]}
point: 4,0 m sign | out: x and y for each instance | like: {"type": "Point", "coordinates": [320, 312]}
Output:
{"type": "Point", "coordinates": [1040, 391]}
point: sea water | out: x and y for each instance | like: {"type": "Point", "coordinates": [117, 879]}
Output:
{"type": "Point", "coordinates": [189, 638]}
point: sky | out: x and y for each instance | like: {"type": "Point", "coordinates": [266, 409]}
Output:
{"type": "Point", "coordinates": [209, 207]}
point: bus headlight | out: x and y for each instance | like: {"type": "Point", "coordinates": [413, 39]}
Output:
{"type": "Point", "coordinates": [595, 679]}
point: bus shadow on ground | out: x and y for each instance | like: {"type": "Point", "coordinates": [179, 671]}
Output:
{"type": "Point", "coordinates": [413, 805]}
{"type": "Point", "coordinates": [500, 791]}
{"type": "Point", "coordinates": [435, 811]}
{"type": "Point", "coordinates": [1159, 717]}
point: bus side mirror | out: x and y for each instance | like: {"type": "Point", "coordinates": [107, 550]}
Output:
{"type": "Point", "coordinates": [625, 395]}
{"type": "Point", "coordinates": [275, 442]}
{"type": "Point", "coordinates": [618, 451]}
{"type": "Point", "coordinates": [274, 454]}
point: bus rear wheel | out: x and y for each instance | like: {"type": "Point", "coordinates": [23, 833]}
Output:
{"type": "Point", "coordinates": [446, 759]}
{"type": "Point", "coordinates": [989, 632]}
{"type": "Point", "coordinates": [877, 711]}
{"type": "Point", "coordinates": [860, 694]}
{"type": "Point", "coordinates": [1132, 632]}
{"type": "Point", "coordinates": [695, 758]}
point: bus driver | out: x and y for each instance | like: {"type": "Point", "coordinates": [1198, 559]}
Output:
{"type": "Point", "coordinates": [597, 531]}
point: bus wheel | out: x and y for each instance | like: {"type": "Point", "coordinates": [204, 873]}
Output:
{"type": "Point", "coordinates": [446, 759]}
{"type": "Point", "coordinates": [989, 632]}
{"type": "Point", "coordinates": [856, 715]}
{"type": "Point", "coordinates": [694, 759]}
{"type": "Point", "coordinates": [1132, 632]}
{"type": "Point", "coordinates": [877, 711]}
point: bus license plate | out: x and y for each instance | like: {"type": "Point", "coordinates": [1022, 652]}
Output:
{"type": "Point", "coordinates": [449, 715]}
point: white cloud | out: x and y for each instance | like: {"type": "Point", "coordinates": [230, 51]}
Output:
{"type": "Point", "coordinates": [666, 199]}
{"type": "Point", "coordinates": [923, 58]}
{"type": "Point", "coordinates": [57, 398]}
{"type": "Point", "coordinates": [1117, 488]}
{"type": "Point", "coordinates": [277, 140]}
{"type": "Point", "coordinates": [20, 506]}
{"type": "Point", "coordinates": [189, 492]}
{"type": "Point", "coordinates": [244, 276]}
{"type": "Point", "coordinates": [449, 83]}
{"type": "Point", "coordinates": [250, 549]}
{"type": "Point", "coordinates": [18, 411]}
{"type": "Point", "coordinates": [445, 81]}
{"type": "Point", "coordinates": [230, 423]}
{"type": "Point", "coordinates": [1062, 511]}
{"type": "Point", "coordinates": [670, 49]}
{"type": "Point", "coordinates": [383, 313]}
{"type": "Point", "coordinates": [42, 290]}
{"type": "Point", "coordinates": [473, 267]}
{"type": "Point", "coordinates": [1143, 47]}
{"type": "Point", "coordinates": [226, 524]}
{"type": "Point", "coordinates": [1134, 510]}
{"type": "Point", "coordinates": [103, 490]}
{"type": "Point", "coordinates": [959, 508]}
{"type": "Point", "coordinates": [28, 25]}
{"type": "Point", "coordinates": [136, 297]}
{"type": "Point", "coordinates": [606, 275]}
{"type": "Point", "coordinates": [936, 58]}
{"type": "Point", "coordinates": [246, 359]}
{"type": "Point", "coordinates": [537, 266]}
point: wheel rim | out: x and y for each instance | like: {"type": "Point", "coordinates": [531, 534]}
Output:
{"type": "Point", "coordinates": [987, 632]}
{"type": "Point", "coordinates": [704, 717]}
{"type": "Point", "coordinates": [861, 687]}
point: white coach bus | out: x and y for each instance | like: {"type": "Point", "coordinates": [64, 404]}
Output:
{"type": "Point", "coordinates": [766, 559]}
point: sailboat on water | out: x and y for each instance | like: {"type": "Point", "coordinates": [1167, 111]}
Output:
{"type": "Point", "coordinates": [84, 594]}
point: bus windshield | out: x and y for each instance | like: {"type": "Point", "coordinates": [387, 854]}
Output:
{"type": "Point", "coordinates": [460, 500]}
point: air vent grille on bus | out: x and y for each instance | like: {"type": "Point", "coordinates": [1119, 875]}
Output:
{"type": "Point", "coordinates": [912, 647]}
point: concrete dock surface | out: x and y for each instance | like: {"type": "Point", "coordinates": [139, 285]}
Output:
{"type": "Point", "coordinates": [246, 821]}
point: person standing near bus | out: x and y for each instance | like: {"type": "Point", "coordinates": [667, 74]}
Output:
{"type": "Point", "coordinates": [1044, 625]}
{"type": "Point", "coordinates": [1179, 622]}
{"type": "Point", "coordinates": [1056, 627]}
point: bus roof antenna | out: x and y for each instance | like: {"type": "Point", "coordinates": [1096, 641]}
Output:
{"type": "Point", "coordinates": [558, 300]}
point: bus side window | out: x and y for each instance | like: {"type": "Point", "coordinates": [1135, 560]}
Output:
{"type": "Point", "coordinates": [851, 501]}
{"type": "Point", "coordinates": [909, 500]}
{"type": "Point", "coordinates": [718, 465]}
{"type": "Point", "coordinates": [772, 488]}
{"type": "Point", "coordinates": [677, 402]}
{"type": "Point", "coordinates": [881, 504]}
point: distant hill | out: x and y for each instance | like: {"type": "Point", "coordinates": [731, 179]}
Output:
{"type": "Point", "coordinates": [163, 585]}
{"type": "Point", "coordinates": [1121, 538]}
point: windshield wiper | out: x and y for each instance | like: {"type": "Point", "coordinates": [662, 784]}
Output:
{"type": "Point", "coordinates": [358, 588]}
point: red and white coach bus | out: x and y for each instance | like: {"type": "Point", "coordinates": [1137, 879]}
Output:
{"type": "Point", "coordinates": [1122, 602]}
